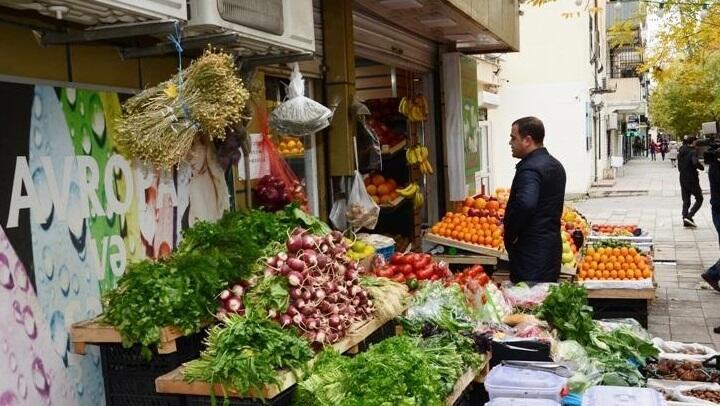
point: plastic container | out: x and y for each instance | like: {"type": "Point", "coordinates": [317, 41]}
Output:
{"type": "Point", "coordinates": [521, 402]}
{"type": "Point", "coordinates": [622, 396]}
{"type": "Point", "coordinates": [510, 382]}
{"type": "Point", "coordinates": [384, 246]}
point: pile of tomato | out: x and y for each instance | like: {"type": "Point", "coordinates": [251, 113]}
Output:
{"type": "Point", "coordinates": [413, 267]}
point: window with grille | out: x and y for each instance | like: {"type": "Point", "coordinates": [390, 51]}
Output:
{"type": "Point", "coordinates": [625, 60]}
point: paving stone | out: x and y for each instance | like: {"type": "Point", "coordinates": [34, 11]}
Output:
{"type": "Point", "coordinates": [659, 320]}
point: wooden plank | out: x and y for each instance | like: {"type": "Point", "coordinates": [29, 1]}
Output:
{"type": "Point", "coordinates": [95, 331]}
{"type": "Point", "coordinates": [388, 151]}
{"type": "Point", "coordinates": [466, 259]}
{"type": "Point", "coordinates": [173, 382]}
{"type": "Point", "coordinates": [372, 82]}
{"type": "Point", "coordinates": [644, 294]}
{"type": "Point", "coordinates": [462, 383]}
{"type": "Point", "coordinates": [432, 238]}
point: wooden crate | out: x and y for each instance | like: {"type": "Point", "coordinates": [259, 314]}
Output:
{"type": "Point", "coordinates": [95, 331]}
{"type": "Point", "coordinates": [174, 383]}
{"type": "Point", "coordinates": [470, 376]}
{"type": "Point", "coordinates": [478, 249]}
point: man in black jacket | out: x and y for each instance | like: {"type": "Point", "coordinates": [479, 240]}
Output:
{"type": "Point", "coordinates": [712, 156]}
{"type": "Point", "coordinates": [688, 165]}
{"type": "Point", "coordinates": [532, 216]}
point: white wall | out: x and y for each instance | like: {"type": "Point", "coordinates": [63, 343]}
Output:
{"type": "Point", "coordinates": [549, 78]}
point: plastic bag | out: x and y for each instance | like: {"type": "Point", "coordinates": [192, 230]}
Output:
{"type": "Point", "coordinates": [587, 374]}
{"type": "Point", "coordinates": [337, 214]}
{"type": "Point", "coordinates": [281, 186]}
{"type": "Point", "coordinates": [680, 393]}
{"type": "Point", "coordinates": [610, 325]}
{"type": "Point", "coordinates": [523, 296]}
{"type": "Point", "coordinates": [299, 115]}
{"type": "Point", "coordinates": [362, 210]}
{"type": "Point", "coordinates": [682, 351]}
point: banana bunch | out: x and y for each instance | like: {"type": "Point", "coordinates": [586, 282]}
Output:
{"type": "Point", "coordinates": [418, 155]}
{"type": "Point", "coordinates": [413, 191]}
{"type": "Point", "coordinates": [414, 108]}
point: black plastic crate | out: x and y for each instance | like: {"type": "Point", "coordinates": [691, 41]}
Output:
{"type": "Point", "coordinates": [145, 400]}
{"type": "Point", "coordinates": [386, 331]}
{"type": "Point", "coordinates": [283, 399]}
{"type": "Point", "coordinates": [620, 309]}
{"type": "Point", "coordinates": [130, 378]}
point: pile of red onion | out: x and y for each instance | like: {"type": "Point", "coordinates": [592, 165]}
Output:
{"type": "Point", "coordinates": [325, 295]}
{"type": "Point", "coordinates": [272, 193]}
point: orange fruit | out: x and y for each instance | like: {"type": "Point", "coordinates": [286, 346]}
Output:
{"type": "Point", "coordinates": [474, 239]}
{"type": "Point", "coordinates": [616, 251]}
{"type": "Point", "coordinates": [609, 266]}
{"type": "Point", "coordinates": [468, 202]}
{"type": "Point", "coordinates": [383, 189]}
{"type": "Point", "coordinates": [372, 190]}
{"type": "Point", "coordinates": [593, 265]}
{"type": "Point", "coordinates": [385, 199]}
{"type": "Point", "coordinates": [596, 257]}
{"type": "Point", "coordinates": [375, 199]}
{"type": "Point", "coordinates": [621, 259]}
{"type": "Point", "coordinates": [392, 184]}
{"type": "Point", "coordinates": [623, 251]}
{"type": "Point", "coordinates": [591, 273]}
{"type": "Point", "coordinates": [646, 273]}
{"type": "Point", "coordinates": [630, 274]}
{"type": "Point", "coordinates": [632, 251]}
{"type": "Point", "coordinates": [488, 240]}
{"type": "Point", "coordinates": [613, 274]}
{"type": "Point", "coordinates": [603, 258]}
{"type": "Point", "coordinates": [585, 266]}
{"type": "Point", "coordinates": [378, 180]}
{"type": "Point", "coordinates": [601, 266]}
{"type": "Point", "coordinates": [606, 274]}
{"type": "Point", "coordinates": [582, 274]}
{"type": "Point", "coordinates": [621, 274]}
{"type": "Point", "coordinates": [479, 203]}
{"type": "Point", "coordinates": [454, 234]}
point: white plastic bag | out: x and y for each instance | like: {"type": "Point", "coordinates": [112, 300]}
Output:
{"type": "Point", "coordinates": [678, 351]}
{"type": "Point", "coordinates": [680, 393]}
{"type": "Point", "coordinates": [362, 210]}
{"type": "Point", "coordinates": [337, 214]}
{"type": "Point", "coordinates": [299, 115]}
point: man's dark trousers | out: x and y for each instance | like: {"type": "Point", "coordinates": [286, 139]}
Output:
{"type": "Point", "coordinates": [690, 187]}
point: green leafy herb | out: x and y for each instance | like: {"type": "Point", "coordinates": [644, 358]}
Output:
{"type": "Point", "coordinates": [445, 307]}
{"type": "Point", "coordinates": [566, 309]}
{"type": "Point", "coordinates": [270, 293]}
{"type": "Point", "coordinates": [246, 353]}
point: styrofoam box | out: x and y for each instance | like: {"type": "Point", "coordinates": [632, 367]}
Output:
{"type": "Point", "coordinates": [521, 402]}
{"type": "Point", "coordinates": [510, 382]}
{"type": "Point", "coordinates": [622, 396]}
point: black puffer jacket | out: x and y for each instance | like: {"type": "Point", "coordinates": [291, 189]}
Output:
{"type": "Point", "coordinates": [688, 165]}
{"type": "Point", "coordinates": [532, 218]}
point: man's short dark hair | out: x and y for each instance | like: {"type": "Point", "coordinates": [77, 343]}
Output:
{"type": "Point", "coordinates": [531, 126]}
{"type": "Point", "coordinates": [689, 140]}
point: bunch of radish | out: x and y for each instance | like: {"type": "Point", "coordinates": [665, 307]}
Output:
{"type": "Point", "coordinates": [231, 300]}
{"type": "Point", "coordinates": [325, 295]}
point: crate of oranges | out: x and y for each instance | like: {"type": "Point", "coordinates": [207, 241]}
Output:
{"type": "Point", "coordinates": [621, 263]}
{"type": "Point", "coordinates": [474, 233]}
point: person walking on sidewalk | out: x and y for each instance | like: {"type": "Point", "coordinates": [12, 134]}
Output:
{"type": "Point", "coordinates": [688, 165]}
{"type": "Point", "coordinates": [673, 153]}
{"type": "Point", "coordinates": [663, 149]}
{"type": "Point", "coordinates": [532, 217]}
{"type": "Point", "coordinates": [653, 148]}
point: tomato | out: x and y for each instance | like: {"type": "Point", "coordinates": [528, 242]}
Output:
{"type": "Point", "coordinates": [434, 277]}
{"type": "Point", "coordinates": [411, 275]}
{"type": "Point", "coordinates": [396, 259]}
{"type": "Point", "coordinates": [484, 279]}
{"type": "Point", "coordinates": [406, 269]}
{"type": "Point", "coordinates": [423, 262]}
{"type": "Point", "coordinates": [425, 273]}
{"type": "Point", "coordinates": [386, 272]}
{"type": "Point", "coordinates": [399, 278]}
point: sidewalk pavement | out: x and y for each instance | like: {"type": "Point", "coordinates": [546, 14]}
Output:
{"type": "Point", "coordinates": [686, 308]}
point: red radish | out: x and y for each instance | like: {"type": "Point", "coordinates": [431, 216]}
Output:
{"type": "Point", "coordinates": [322, 261]}
{"type": "Point", "coordinates": [311, 323]}
{"type": "Point", "coordinates": [307, 311]}
{"type": "Point", "coordinates": [300, 303]}
{"type": "Point", "coordinates": [285, 320]}
{"type": "Point", "coordinates": [272, 261]}
{"type": "Point", "coordinates": [294, 244]}
{"type": "Point", "coordinates": [225, 294]}
{"type": "Point", "coordinates": [234, 304]}
{"type": "Point", "coordinates": [296, 264]}
{"type": "Point", "coordinates": [320, 336]}
{"type": "Point", "coordinates": [295, 293]}
{"type": "Point", "coordinates": [306, 295]}
{"type": "Point", "coordinates": [319, 294]}
{"type": "Point", "coordinates": [272, 313]}
{"type": "Point", "coordinates": [238, 290]}
{"type": "Point", "coordinates": [308, 242]}
{"type": "Point", "coordinates": [298, 319]}
{"type": "Point", "coordinates": [282, 256]}
{"type": "Point", "coordinates": [333, 337]}
{"type": "Point", "coordinates": [294, 278]}
{"type": "Point", "coordinates": [292, 311]}
{"type": "Point", "coordinates": [285, 270]}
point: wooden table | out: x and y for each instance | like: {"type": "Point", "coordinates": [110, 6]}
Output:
{"type": "Point", "coordinates": [95, 331]}
{"type": "Point", "coordinates": [470, 376]}
{"type": "Point", "coordinates": [174, 383]}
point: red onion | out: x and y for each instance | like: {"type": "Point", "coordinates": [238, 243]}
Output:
{"type": "Point", "coordinates": [225, 294]}
{"type": "Point", "coordinates": [296, 264]}
{"type": "Point", "coordinates": [294, 278]}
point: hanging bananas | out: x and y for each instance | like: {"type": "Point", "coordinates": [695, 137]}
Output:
{"type": "Point", "coordinates": [413, 191]}
{"type": "Point", "coordinates": [414, 108]}
{"type": "Point", "coordinates": [418, 155]}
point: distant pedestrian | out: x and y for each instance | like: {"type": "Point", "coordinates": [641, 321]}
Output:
{"type": "Point", "coordinates": [663, 149]}
{"type": "Point", "coordinates": [652, 147]}
{"type": "Point", "coordinates": [688, 165]}
{"type": "Point", "coordinates": [712, 275]}
{"type": "Point", "coordinates": [673, 153]}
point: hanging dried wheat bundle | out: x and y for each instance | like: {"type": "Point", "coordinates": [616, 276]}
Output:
{"type": "Point", "coordinates": [160, 124]}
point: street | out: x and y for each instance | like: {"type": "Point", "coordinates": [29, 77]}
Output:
{"type": "Point", "coordinates": [648, 194]}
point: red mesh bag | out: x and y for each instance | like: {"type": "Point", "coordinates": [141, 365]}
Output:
{"type": "Point", "coordinates": [280, 186]}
